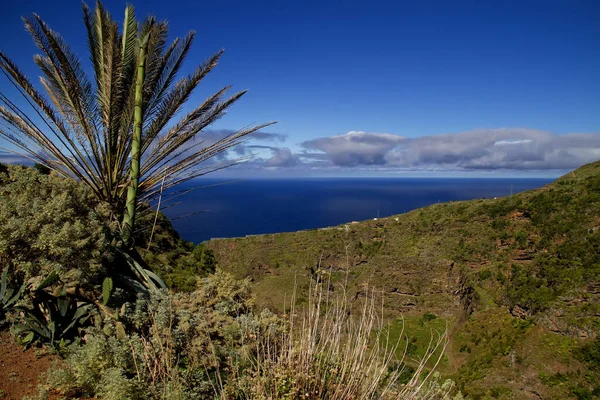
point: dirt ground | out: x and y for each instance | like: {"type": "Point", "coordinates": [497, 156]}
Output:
{"type": "Point", "coordinates": [20, 370]}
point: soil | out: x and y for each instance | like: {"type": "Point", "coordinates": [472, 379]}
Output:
{"type": "Point", "coordinates": [20, 369]}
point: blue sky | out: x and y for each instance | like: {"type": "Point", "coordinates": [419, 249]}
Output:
{"type": "Point", "coordinates": [509, 85]}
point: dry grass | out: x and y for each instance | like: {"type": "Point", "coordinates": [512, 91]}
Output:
{"type": "Point", "coordinates": [333, 350]}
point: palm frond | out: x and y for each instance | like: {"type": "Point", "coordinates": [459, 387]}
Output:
{"type": "Point", "coordinates": [82, 126]}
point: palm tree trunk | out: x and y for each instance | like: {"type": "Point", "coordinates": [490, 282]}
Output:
{"type": "Point", "coordinates": [134, 172]}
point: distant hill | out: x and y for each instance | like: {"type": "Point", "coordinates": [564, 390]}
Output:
{"type": "Point", "coordinates": [515, 279]}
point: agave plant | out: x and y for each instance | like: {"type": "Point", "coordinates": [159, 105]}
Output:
{"type": "Point", "coordinates": [8, 296]}
{"type": "Point", "coordinates": [53, 319]}
{"type": "Point", "coordinates": [115, 131]}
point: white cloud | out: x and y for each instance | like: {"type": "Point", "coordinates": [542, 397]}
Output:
{"type": "Point", "coordinates": [356, 148]}
{"type": "Point", "coordinates": [489, 149]}
{"type": "Point", "coordinates": [511, 142]}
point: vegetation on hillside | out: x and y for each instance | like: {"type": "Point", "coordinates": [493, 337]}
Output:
{"type": "Point", "coordinates": [206, 340]}
{"type": "Point", "coordinates": [84, 261]}
{"type": "Point", "coordinates": [516, 279]}
{"type": "Point", "coordinates": [84, 258]}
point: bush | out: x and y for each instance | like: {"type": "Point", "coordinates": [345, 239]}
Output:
{"type": "Point", "coordinates": [103, 367]}
{"type": "Point", "coordinates": [528, 291]}
{"type": "Point", "coordinates": [182, 271]}
{"type": "Point", "coordinates": [49, 223]}
{"type": "Point", "coordinates": [501, 207]}
{"type": "Point", "coordinates": [168, 346]}
{"type": "Point", "coordinates": [209, 344]}
{"type": "Point", "coordinates": [590, 353]}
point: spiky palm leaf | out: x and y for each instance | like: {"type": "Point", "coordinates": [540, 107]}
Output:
{"type": "Point", "coordinates": [83, 127]}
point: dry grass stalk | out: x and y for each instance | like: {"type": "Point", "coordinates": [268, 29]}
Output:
{"type": "Point", "coordinates": [330, 351]}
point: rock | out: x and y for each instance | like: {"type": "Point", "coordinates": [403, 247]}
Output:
{"type": "Point", "coordinates": [519, 312]}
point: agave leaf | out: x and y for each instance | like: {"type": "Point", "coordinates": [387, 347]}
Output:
{"type": "Point", "coordinates": [20, 328]}
{"type": "Point", "coordinates": [3, 283]}
{"type": "Point", "coordinates": [52, 329]}
{"type": "Point", "coordinates": [135, 285]}
{"type": "Point", "coordinates": [141, 273]}
{"type": "Point", "coordinates": [33, 324]}
{"type": "Point", "coordinates": [107, 287]}
{"type": "Point", "coordinates": [8, 292]}
{"type": "Point", "coordinates": [52, 278]}
{"type": "Point", "coordinates": [41, 328]}
{"type": "Point", "coordinates": [11, 300]}
{"type": "Point", "coordinates": [8, 297]}
{"type": "Point", "coordinates": [28, 338]}
{"type": "Point", "coordinates": [63, 306]}
{"type": "Point", "coordinates": [80, 316]}
{"type": "Point", "coordinates": [156, 278]}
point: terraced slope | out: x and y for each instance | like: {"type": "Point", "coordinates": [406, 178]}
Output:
{"type": "Point", "coordinates": [516, 280]}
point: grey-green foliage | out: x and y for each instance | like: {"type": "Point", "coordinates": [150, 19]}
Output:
{"type": "Point", "coordinates": [169, 346]}
{"type": "Point", "coordinates": [99, 368]}
{"type": "Point", "coordinates": [50, 223]}
{"type": "Point", "coordinates": [114, 385]}
{"type": "Point", "coordinates": [57, 330]}
{"type": "Point", "coordinates": [107, 287]}
{"type": "Point", "coordinates": [51, 319]}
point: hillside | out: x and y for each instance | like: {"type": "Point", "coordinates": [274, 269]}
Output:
{"type": "Point", "coordinates": [74, 323]}
{"type": "Point", "coordinates": [515, 279]}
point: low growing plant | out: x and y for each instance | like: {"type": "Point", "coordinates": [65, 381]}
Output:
{"type": "Point", "coordinates": [52, 319]}
{"type": "Point", "coordinates": [209, 344]}
{"type": "Point", "coordinates": [8, 297]}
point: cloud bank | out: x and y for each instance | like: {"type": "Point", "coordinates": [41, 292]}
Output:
{"type": "Point", "coordinates": [504, 149]}
{"type": "Point", "coordinates": [483, 149]}
{"type": "Point", "coordinates": [356, 148]}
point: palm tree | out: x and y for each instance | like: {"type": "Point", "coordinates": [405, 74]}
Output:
{"type": "Point", "coordinates": [115, 132]}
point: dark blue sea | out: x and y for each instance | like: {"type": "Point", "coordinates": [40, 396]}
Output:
{"type": "Point", "coordinates": [267, 206]}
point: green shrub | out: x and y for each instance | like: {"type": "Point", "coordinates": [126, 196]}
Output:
{"type": "Point", "coordinates": [500, 278]}
{"type": "Point", "coordinates": [590, 353]}
{"type": "Point", "coordinates": [50, 223]}
{"type": "Point", "coordinates": [521, 238]}
{"type": "Point", "coordinates": [582, 393]}
{"type": "Point", "coordinates": [500, 224]}
{"type": "Point", "coordinates": [530, 292]}
{"type": "Point", "coordinates": [426, 318]}
{"type": "Point", "coordinates": [554, 379]}
{"type": "Point", "coordinates": [169, 345]}
{"type": "Point", "coordinates": [501, 207]}
{"type": "Point", "coordinates": [368, 248]}
{"type": "Point", "coordinates": [500, 391]}
{"type": "Point", "coordinates": [114, 385]}
{"type": "Point", "coordinates": [485, 274]}
{"type": "Point", "coordinates": [42, 169]}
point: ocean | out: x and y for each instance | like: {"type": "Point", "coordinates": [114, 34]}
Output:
{"type": "Point", "coordinates": [223, 209]}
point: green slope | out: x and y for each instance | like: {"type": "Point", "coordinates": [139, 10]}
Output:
{"type": "Point", "coordinates": [516, 279]}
